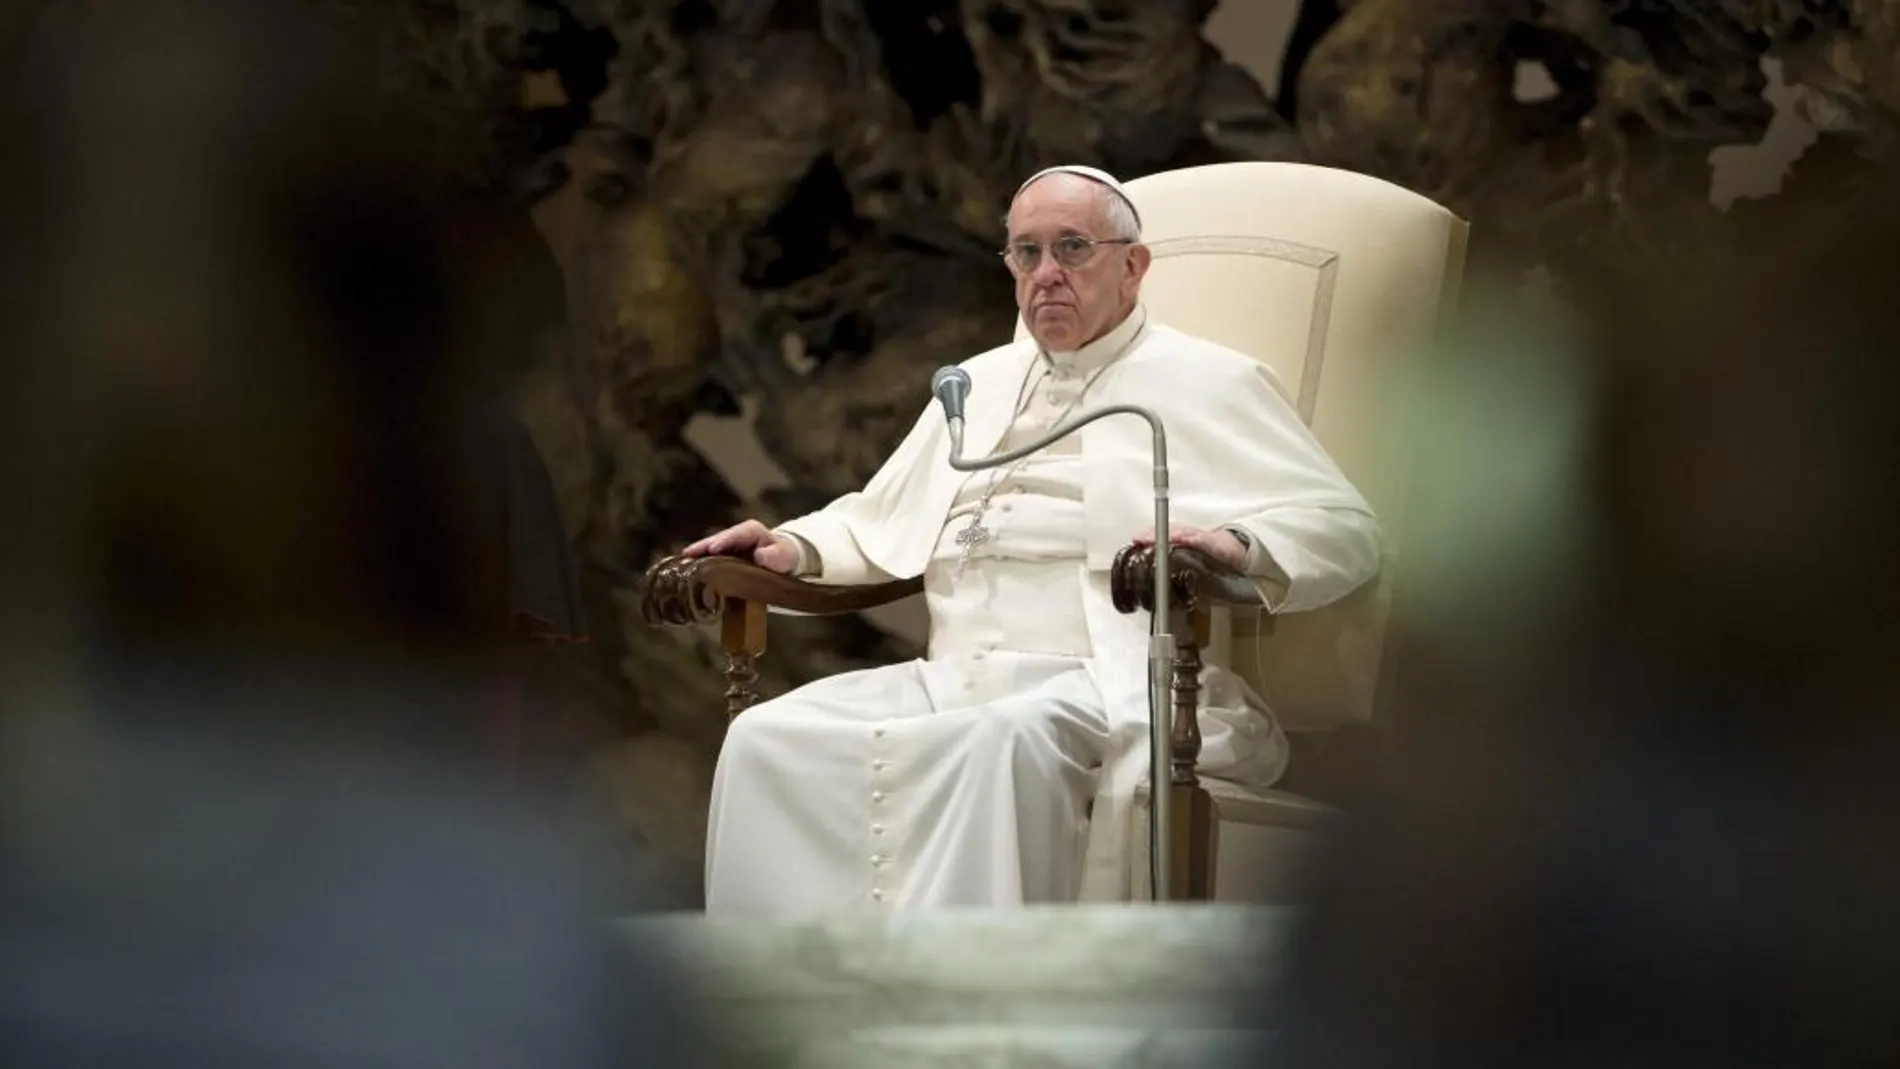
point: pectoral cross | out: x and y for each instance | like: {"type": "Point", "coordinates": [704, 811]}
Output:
{"type": "Point", "coordinates": [971, 537]}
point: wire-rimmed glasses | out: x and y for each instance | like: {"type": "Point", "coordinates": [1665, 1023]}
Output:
{"type": "Point", "coordinates": [1071, 251]}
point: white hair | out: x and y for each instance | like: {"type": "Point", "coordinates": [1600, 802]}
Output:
{"type": "Point", "coordinates": [1124, 222]}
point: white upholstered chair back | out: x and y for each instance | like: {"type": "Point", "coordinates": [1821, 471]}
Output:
{"type": "Point", "coordinates": [1339, 282]}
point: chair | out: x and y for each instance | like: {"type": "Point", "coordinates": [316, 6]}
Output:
{"type": "Point", "coordinates": [1338, 281]}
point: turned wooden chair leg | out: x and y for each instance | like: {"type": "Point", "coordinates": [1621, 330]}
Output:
{"type": "Point", "coordinates": [1195, 830]}
{"type": "Point", "coordinates": [742, 637]}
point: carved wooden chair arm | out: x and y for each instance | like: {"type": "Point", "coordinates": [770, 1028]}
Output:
{"type": "Point", "coordinates": [683, 591]}
{"type": "Point", "coordinates": [736, 594]}
{"type": "Point", "coordinates": [1199, 584]}
{"type": "Point", "coordinates": [1198, 580]}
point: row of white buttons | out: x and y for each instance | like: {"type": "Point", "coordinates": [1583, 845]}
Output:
{"type": "Point", "coordinates": [878, 860]}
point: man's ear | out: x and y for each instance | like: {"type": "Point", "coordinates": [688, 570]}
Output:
{"type": "Point", "coordinates": [1139, 257]}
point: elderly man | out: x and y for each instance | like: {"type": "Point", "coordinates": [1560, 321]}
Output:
{"type": "Point", "coordinates": [1001, 768]}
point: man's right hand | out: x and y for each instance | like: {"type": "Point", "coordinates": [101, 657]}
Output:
{"type": "Point", "coordinates": [752, 541]}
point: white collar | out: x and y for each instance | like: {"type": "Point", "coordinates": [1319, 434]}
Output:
{"type": "Point", "coordinates": [1104, 349]}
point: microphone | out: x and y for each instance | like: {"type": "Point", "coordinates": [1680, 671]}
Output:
{"type": "Point", "coordinates": [951, 385]}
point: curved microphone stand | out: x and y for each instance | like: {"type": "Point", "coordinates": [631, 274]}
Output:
{"type": "Point", "coordinates": [1160, 643]}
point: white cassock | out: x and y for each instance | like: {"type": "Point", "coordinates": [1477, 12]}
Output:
{"type": "Point", "coordinates": [1002, 768]}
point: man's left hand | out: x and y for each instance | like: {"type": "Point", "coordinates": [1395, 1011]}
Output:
{"type": "Point", "coordinates": [1223, 547]}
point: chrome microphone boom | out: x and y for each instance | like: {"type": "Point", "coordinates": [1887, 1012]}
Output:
{"type": "Point", "coordinates": [951, 385]}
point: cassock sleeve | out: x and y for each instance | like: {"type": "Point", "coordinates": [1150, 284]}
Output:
{"type": "Point", "coordinates": [1314, 539]}
{"type": "Point", "coordinates": [834, 542]}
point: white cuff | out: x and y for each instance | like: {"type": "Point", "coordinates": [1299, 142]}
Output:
{"type": "Point", "coordinates": [808, 563]}
{"type": "Point", "coordinates": [1269, 578]}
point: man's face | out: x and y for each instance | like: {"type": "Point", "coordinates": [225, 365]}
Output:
{"type": "Point", "coordinates": [1065, 308]}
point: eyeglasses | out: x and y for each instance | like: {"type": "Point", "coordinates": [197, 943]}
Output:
{"type": "Point", "coordinates": [1073, 251]}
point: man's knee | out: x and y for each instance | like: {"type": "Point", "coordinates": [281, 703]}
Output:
{"type": "Point", "coordinates": [1044, 731]}
{"type": "Point", "coordinates": [759, 729]}
{"type": "Point", "coordinates": [777, 724]}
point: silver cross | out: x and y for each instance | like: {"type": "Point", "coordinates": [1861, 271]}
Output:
{"type": "Point", "coordinates": [969, 538]}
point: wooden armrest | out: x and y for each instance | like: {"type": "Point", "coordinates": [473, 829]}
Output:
{"type": "Point", "coordinates": [683, 591]}
{"type": "Point", "coordinates": [1198, 581]}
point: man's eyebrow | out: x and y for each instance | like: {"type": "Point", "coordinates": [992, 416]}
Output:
{"type": "Point", "coordinates": [1065, 232]}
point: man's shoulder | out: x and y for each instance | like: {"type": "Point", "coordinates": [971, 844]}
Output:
{"type": "Point", "coordinates": [1179, 358]}
{"type": "Point", "coordinates": [1176, 347]}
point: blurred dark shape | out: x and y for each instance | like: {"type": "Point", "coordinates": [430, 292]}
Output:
{"type": "Point", "coordinates": [192, 903]}
{"type": "Point", "coordinates": [240, 284]}
{"type": "Point", "coordinates": [528, 587]}
{"type": "Point", "coordinates": [524, 582]}
{"type": "Point", "coordinates": [244, 818]}
{"type": "Point", "coordinates": [1670, 840]}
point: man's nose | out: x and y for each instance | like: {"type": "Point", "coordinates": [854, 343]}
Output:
{"type": "Point", "coordinates": [1047, 272]}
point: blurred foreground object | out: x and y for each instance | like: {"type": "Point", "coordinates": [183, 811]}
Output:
{"type": "Point", "coordinates": [1132, 986]}
{"type": "Point", "coordinates": [1648, 806]}
{"type": "Point", "coordinates": [243, 818]}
